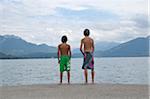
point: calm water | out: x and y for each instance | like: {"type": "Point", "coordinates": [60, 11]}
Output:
{"type": "Point", "coordinates": [46, 71]}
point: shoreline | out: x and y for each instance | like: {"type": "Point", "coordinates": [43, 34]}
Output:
{"type": "Point", "coordinates": [65, 83]}
{"type": "Point", "coordinates": [75, 91]}
{"type": "Point", "coordinates": [75, 57]}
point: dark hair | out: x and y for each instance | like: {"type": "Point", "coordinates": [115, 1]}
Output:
{"type": "Point", "coordinates": [64, 39]}
{"type": "Point", "coordinates": [86, 32]}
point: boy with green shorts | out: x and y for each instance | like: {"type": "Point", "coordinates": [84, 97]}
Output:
{"type": "Point", "coordinates": [64, 56]}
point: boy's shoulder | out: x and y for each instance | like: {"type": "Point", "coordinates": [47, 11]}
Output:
{"type": "Point", "coordinates": [85, 38]}
{"type": "Point", "coordinates": [82, 39]}
{"type": "Point", "coordinates": [68, 45]}
{"type": "Point", "coordinates": [63, 44]}
{"type": "Point", "coordinates": [59, 45]}
{"type": "Point", "coordinates": [90, 38]}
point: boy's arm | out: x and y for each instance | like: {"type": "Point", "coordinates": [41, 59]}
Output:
{"type": "Point", "coordinates": [93, 47]}
{"type": "Point", "coordinates": [69, 52]}
{"type": "Point", "coordinates": [81, 45]}
{"type": "Point", "coordinates": [58, 54]}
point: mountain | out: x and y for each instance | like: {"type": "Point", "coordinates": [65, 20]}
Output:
{"type": "Point", "coordinates": [16, 46]}
{"type": "Point", "coordinates": [99, 46]}
{"type": "Point", "coordinates": [135, 48]}
{"type": "Point", "coordinates": [41, 55]}
{"type": "Point", "coordinates": [3, 56]}
{"type": "Point", "coordinates": [103, 46]}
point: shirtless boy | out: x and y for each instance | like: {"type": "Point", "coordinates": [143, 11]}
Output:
{"type": "Point", "coordinates": [64, 56]}
{"type": "Point", "coordinates": [87, 49]}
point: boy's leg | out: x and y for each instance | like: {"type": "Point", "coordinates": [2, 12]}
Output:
{"type": "Point", "coordinates": [61, 77]}
{"type": "Point", "coordinates": [86, 75]}
{"type": "Point", "coordinates": [68, 73]}
{"type": "Point", "coordinates": [92, 74]}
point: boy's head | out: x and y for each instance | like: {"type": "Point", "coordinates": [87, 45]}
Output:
{"type": "Point", "coordinates": [86, 32]}
{"type": "Point", "coordinates": [64, 39]}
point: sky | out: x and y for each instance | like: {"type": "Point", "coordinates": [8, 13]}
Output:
{"type": "Point", "coordinates": [46, 21]}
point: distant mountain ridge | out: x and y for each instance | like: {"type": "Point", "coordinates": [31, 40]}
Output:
{"type": "Point", "coordinates": [4, 56]}
{"type": "Point", "coordinates": [138, 47]}
{"type": "Point", "coordinates": [99, 46]}
{"type": "Point", "coordinates": [103, 46]}
{"type": "Point", "coordinates": [15, 47]}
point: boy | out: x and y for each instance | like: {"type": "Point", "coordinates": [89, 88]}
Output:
{"type": "Point", "coordinates": [64, 56]}
{"type": "Point", "coordinates": [87, 52]}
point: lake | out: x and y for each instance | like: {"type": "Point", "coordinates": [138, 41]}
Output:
{"type": "Point", "coordinates": [130, 70]}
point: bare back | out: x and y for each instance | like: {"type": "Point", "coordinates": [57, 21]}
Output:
{"type": "Point", "coordinates": [88, 44]}
{"type": "Point", "coordinates": [64, 49]}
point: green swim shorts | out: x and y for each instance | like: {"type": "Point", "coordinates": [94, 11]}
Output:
{"type": "Point", "coordinates": [64, 63]}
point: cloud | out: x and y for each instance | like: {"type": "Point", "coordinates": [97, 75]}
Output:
{"type": "Point", "coordinates": [46, 7]}
{"type": "Point", "coordinates": [45, 21]}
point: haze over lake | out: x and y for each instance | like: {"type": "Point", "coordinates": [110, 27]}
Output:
{"type": "Point", "coordinates": [129, 70]}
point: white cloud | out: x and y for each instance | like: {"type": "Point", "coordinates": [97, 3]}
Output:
{"type": "Point", "coordinates": [37, 21]}
{"type": "Point", "coordinates": [46, 7]}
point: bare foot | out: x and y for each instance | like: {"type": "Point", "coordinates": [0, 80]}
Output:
{"type": "Point", "coordinates": [86, 83]}
{"type": "Point", "coordinates": [92, 81]}
{"type": "Point", "coordinates": [60, 83]}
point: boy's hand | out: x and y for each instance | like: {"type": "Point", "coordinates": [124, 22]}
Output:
{"type": "Point", "coordinates": [84, 55]}
{"type": "Point", "coordinates": [58, 61]}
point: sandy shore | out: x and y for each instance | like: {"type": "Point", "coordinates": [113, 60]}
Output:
{"type": "Point", "coordinates": [75, 91]}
